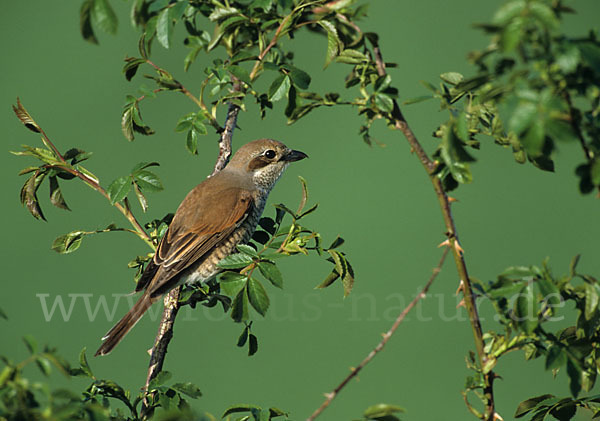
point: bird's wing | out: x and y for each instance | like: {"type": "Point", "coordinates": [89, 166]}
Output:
{"type": "Point", "coordinates": [198, 226]}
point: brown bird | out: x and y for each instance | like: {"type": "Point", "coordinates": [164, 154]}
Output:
{"type": "Point", "coordinates": [216, 216]}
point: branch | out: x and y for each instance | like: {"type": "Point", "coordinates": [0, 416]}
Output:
{"type": "Point", "coordinates": [401, 124]}
{"type": "Point", "coordinates": [386, 337]}
{"type": "Point", "coordinates": [158, 352]}
{"type": "Point", "coordinates": [30, 123]}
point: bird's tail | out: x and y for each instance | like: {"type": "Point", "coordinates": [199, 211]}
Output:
{"type": "Point", "coordinates": [118, 332]}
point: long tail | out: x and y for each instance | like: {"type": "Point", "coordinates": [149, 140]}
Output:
{"type": "Point", "coordinates": [118, 332]}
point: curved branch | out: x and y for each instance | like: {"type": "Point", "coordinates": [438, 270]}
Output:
{"type": "Point", "coordinates": [386, 337]}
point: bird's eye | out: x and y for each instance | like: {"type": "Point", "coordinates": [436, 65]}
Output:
{"type": "Point", "coordinates": [270, 153]}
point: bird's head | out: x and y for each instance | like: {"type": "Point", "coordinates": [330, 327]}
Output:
{"type": "Point", "coordinates": [265, 160]}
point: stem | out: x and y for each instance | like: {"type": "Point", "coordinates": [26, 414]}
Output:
{"type": "Point", "coordinates": [386, 337]}
{"type": "Point", "coordinates": [401, 124]}
{"type": "Point", "coordinates": [158, 352]}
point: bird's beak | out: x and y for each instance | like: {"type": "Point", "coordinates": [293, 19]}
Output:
{"type": "Point", "coordinates": [293, 155]}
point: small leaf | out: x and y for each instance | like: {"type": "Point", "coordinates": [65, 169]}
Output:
{"type": "Point", "coordinates": [83, 362]}
{"type": "Point", "coordinates": [147, 180]}
{"type": "Point", "coordinates": [574, 373]}
{"type": "Point", "coordinates": [188, 389]}
{"type": "Point", "coordinates": [85, 22]}
{"type": "Point", "coordinates": [591, 300]}
{"type": "Point", "coordinates": [238, 408]}
{"type": "Point", "coordinates": [240, 73]}
{"type": "Point", "coordinates": [300, 78]}
{"type": "Point", "coordinates": [530, 404]}
{"type": "Point", "coordinates": [119, 189]}
{"type": "Point", "coordinates": [556, 358]}
{"type": "Point", "coordinates": [104, 16]}
{"type": "Point", "coordinates": [252, 345]}
{"type": "Point", "coordinates": [235, 261]}
{"type": "Point", "coordinates": [279, 88]}
{"type": "Point", "coordinates": [161, 378]}
{"type": "Point", "coordinates": [271, 273]}
{"type": "Point", "coordinates": [191, 142]}
{"type": "Point", "coordinates": [239, 306]}
{"type": "Point", "coordinates": [68, 243]}
{"type": "Point", "coordinates": [44, 365]}
{"type": "Point", "coordinates": [243, 338]}
{"type": "Point", "coordinates": [141, 198]}
{"type": "Point", "coordinates": [31, 344]}
{"type": "Point", "coordinates": [25, 118]}
{"type": "Point", "coordinates": [382, 410]}
{"type": "Point", "coordinates": [258, 296]}
{"type": "Point", "coordinates": [452, 78]}
{"type": "Point", "coordinates": [246, 249]}
{"type": "Point", "coordinates": [163, 28]}
{"type": "Point", "coordinates": [525, 310]}
{"type": "Point", "coordinates": [56, 197]}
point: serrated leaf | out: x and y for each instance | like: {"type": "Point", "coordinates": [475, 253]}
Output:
{"type": "Point", "coordinates": [240, 73]}
{"type": "Point", "coordinates": [25, 118]}
{"type": "Point", "coordinates": [530, 404]}
{"type": "Point", "coordinates": [127, 123]}
{"type": "Point", "coordinates": [246, 249]}
{"type": "Point", "coordinates": [258, 296]}
{"type": "Point", "coordinates": [350, 56]}
{"type": "Point", "coordinates": [118, 189]}
{"type": "Point", "coordinates": [300, 78]}
{"type": "Point", "coordinates": [191, 142]}
{"type": "Point", "coordinates": [188, 389]}
{"type": "Point", "coordinates": [279, 88]}
{"type": "Point", "coordinates": [239, 306]}
{"type": "Point", "coordinates": [104, 16]}
{"type": "Point", "coordinates": [235, 261]}
{"type": "Point", "coordinates": [147, 180]}
{"type": "Point", "coordinates": [68, 243]}
{"type": "Point", "coordinates": [271, 273]}
{"type": "Point", "coordinates": [163, 28]}
{"type": "Point", "coordinates": [160, 379]}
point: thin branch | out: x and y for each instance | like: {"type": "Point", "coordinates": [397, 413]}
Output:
{"type": "Point", "coordinates": [401, 124]}
{"type": "Point", "coordinates": [158, 352]}
{"type": "Point", "coordinates": [30, 123]}
{"type": "Point", "coordinates": [386, 337]}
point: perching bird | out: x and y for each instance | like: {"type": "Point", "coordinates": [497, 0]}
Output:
{"type": "Point", "coordinates": [218, 214]}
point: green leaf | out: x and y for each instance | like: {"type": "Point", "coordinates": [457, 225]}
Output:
{"type": "Point", "coordinates": [417, 99]}
{"type": "Point", "coordinates": [235, 261]}
{"type": "Point", "coordinates": [334, 44]}
{"type": "Point", "coordinates": [574, 373]}
{"type": "Point", "coordinates": [232, 283]}
{"type": "Point", "coordinates": [238, 408]}
{"type": "Point", "coordinates": [533, 140]}
{"type": "Point", "coordinates": [83, 362]}
{"type": "Point", "coordinates": [246, 249]}
{"type": "Point", "coordinates": [147, 180]}
{"type": "Point", "coordinates": [56, 197]}
{"type": "Point", "coordinates": [140, 196]}
{"type": "Point", "coordinates": [240, 73]}
{"type": "Point", "coordinates": [258, 296]}
{"type": "Point", "coordinates": [591, 300]}
{"type": "Point", "coordinates": [119, 189]}
{"type": "Point", "coordinates": [243, 338]}
{"type": "Point", "coordinates": [350, 56]}
{"type": "Point", "coordinates": [161, 378]}
{"type": "Point", "coordinates": [382, 410]}
{"type": "Point", "coordinates": [164, 27]}
{"type": "Point", "coordinates": [384, 102]}
{"type": "Point", "coordinates": [595, 172]}
{"type": "Point", "coordinates": [508, 11]}
{"type": "Point", "coordinates": [3, 316]}
{"type": "Point", "coordinates": [252, 345]}
{"type": "Point", "coordinates": [279, 88]}
{"type": "Point", "coordinates": [44, 365]}
{"type": "Point", "coordinates": [300, 78]}
{"type": "Point", "coordinates": [104, 16]}
{"type": "Point", "coordinates": [530, 404]}
{"type": "Point", "coordinates": [271, 273]}
{"type": "Point", "coordinates": [68, 243]}
{"type": "Point", "coordinates": [526, 310]}
{"type": "Point", "coordinates": [453, 78]}
{"type": "Point", "coordinates": [555, 358]}
{"type": "Point", "coordinates": [239, 306]}
{"type": "Point", "coordinates": [30, 343]}
{"type": "Point", "coordinates": [191, 142]}
{"type": "Point", "coordinates": [188, 389]}
{"type": "Point", "coordinates": [85, 22]}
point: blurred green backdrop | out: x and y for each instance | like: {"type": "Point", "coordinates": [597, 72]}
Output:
{"type": "Point", "coordinates": [377, 198]}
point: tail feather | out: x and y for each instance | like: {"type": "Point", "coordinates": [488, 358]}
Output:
{"type": "Point", "coordinates": [118, 332]}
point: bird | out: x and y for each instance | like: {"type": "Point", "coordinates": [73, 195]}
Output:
{"type": "Point", "coordinates": [215, 216]}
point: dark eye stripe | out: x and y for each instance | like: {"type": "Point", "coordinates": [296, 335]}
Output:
{"type": "Point", "coordinates": [258, 162]}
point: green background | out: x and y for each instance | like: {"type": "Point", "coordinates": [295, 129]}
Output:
{"type": "Point", "coordinates": [378, 199]}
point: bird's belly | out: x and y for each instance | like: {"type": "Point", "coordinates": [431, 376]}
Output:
{"type": "Point", "coordinates": [206, 268]}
